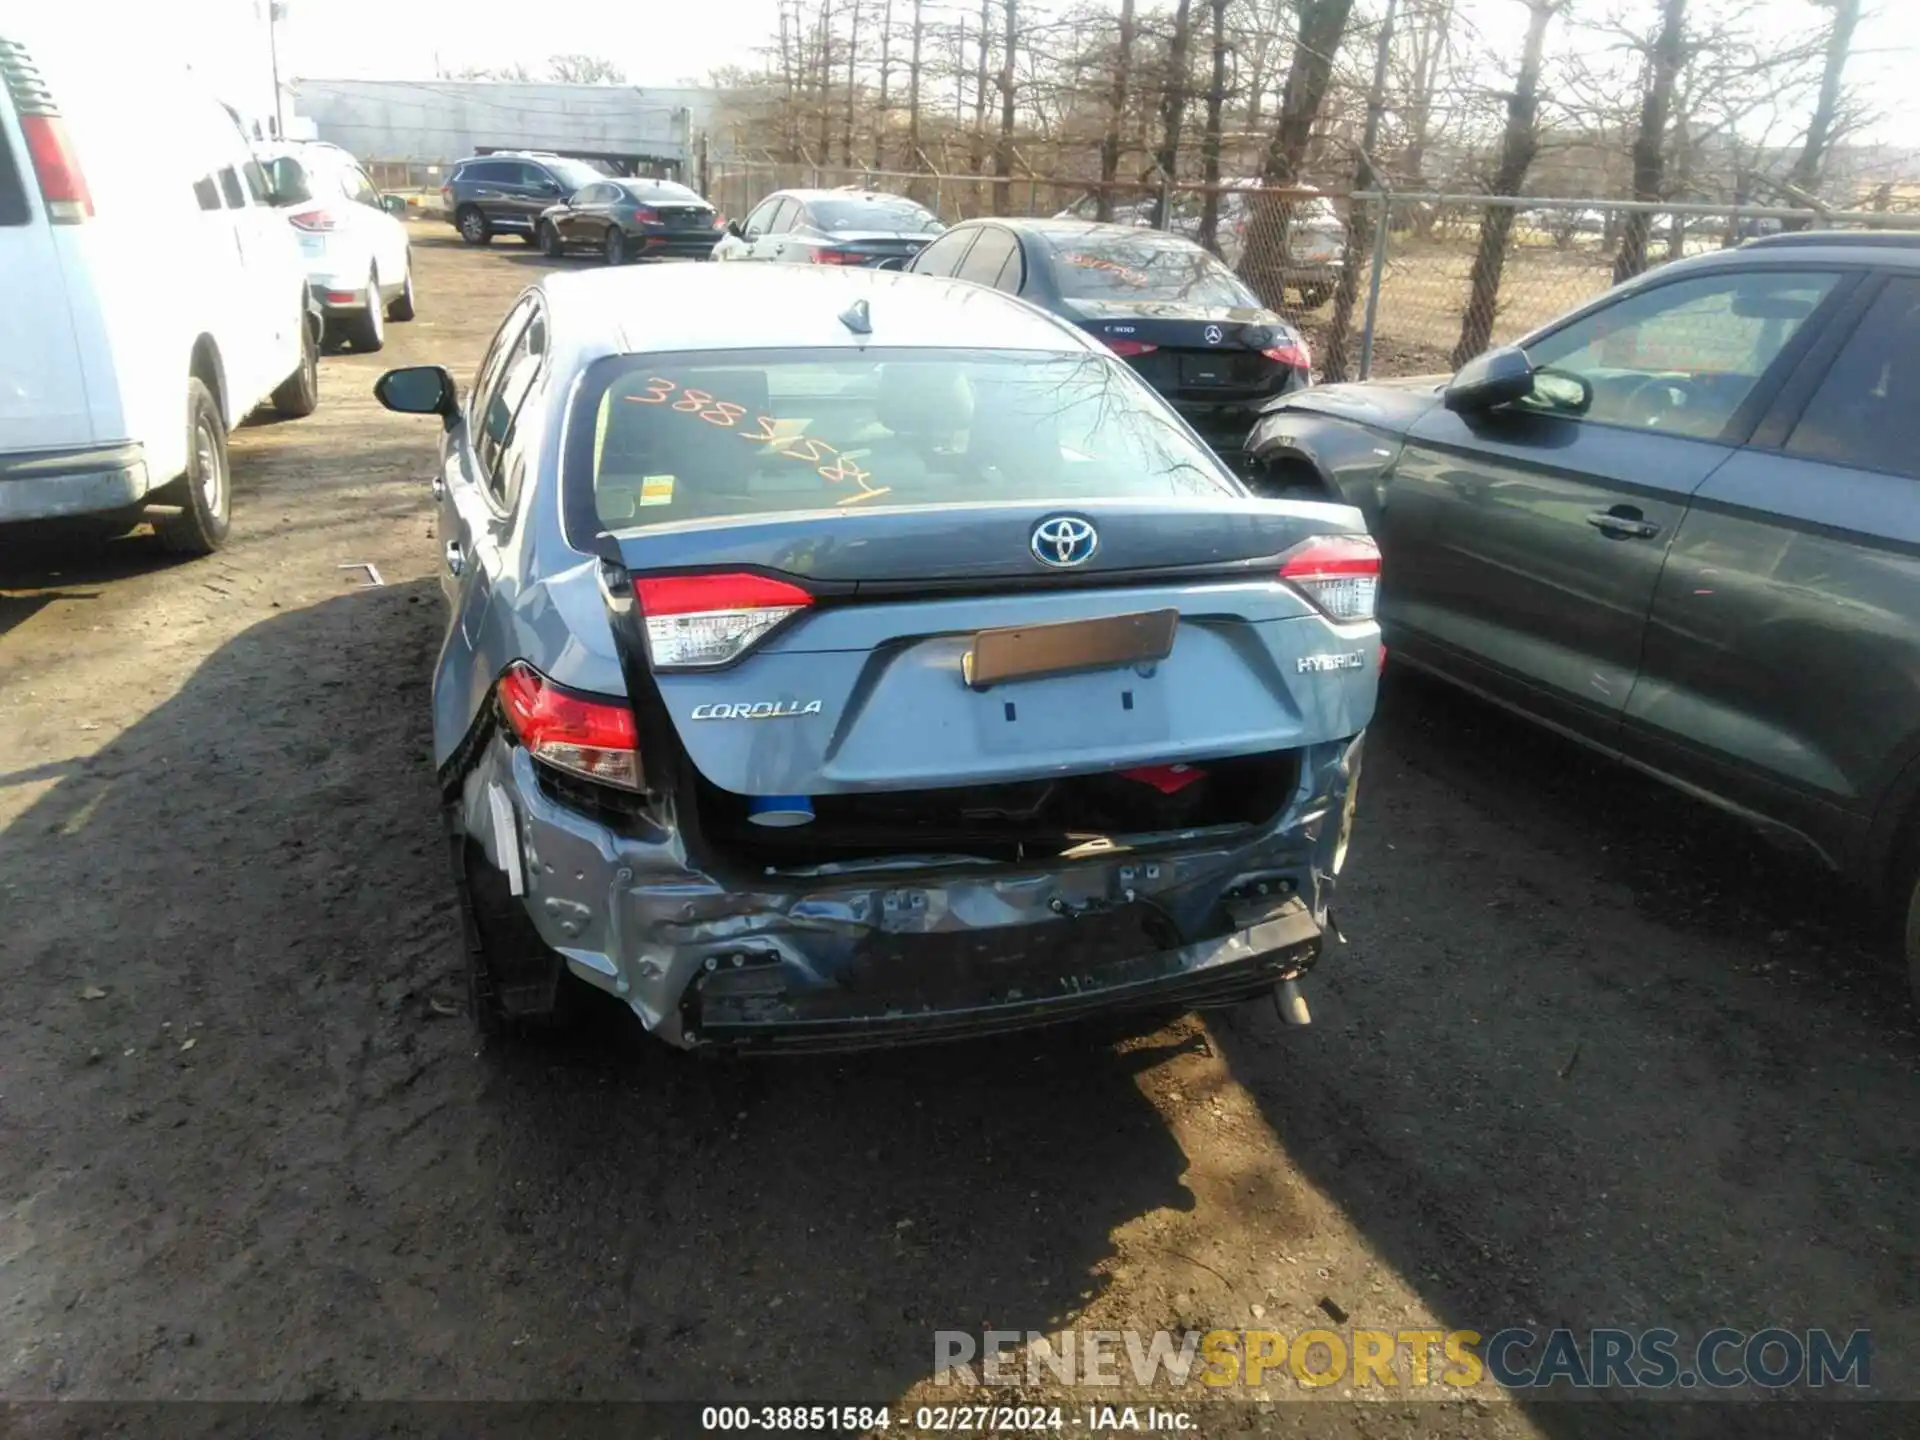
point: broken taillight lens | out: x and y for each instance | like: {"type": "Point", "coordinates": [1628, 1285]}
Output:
{"type": "Point", "coordinates": [1127, 349]}
{"type": "Point", "coordinates": [1340, 574]}
{"type": "Point", "coordinates": [585, 735]}
{"type": "Point", "coordinates": [699, 621]}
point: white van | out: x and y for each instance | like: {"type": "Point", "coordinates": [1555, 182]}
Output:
{"type": "Point", "coordinates": [150, 297]}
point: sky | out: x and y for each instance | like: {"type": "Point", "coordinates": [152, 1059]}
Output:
{"type": "Point", "coordinates": [667, 42]}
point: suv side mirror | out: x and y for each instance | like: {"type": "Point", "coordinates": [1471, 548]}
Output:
{"type": "Point", "coordinates": [394, 205]}
{"type": "Point", "coordinates": [1498, 377]}
{"type": "Point", "coordinates": [419, 390]}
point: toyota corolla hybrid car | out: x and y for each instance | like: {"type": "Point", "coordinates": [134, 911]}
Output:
{"type": "Point", "coordinates": [1188, 325]}
{"type": "Point", "coordinates": [838, 657]}
{"type": "Point", "coordinates": [632, 220]}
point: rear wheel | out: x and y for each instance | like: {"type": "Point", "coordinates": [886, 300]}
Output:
{"type": "Point", "coordinates": [549, 240]}
{"type": "Point", "coordinates": [616, 246]}
{"type": "Point", "coordinates": [204, 494]}
{"type": "Point", "coordinates": [474, 228]}
{"type": "Point", "coordinates": [402, 308]}
{"type": "Point", "coordinates": [514, 979]}
{"type": "Point", "coordinates": [367, 331]}
{"type": "Point", "coordinates": [299, 393]}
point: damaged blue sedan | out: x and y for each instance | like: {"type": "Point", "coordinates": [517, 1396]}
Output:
{"type": "Point", "coordinates": [841, 658]}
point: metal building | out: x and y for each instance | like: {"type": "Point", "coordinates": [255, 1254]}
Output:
{"type": "Point", "coordinates": [433, 122]}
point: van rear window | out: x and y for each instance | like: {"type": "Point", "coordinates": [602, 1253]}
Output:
{"type": "Point", "coordinates": [14, 209]}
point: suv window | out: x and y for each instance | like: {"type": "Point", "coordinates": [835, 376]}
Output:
{"type": "Point", "coordinates": [1866, 413]}
{"type": "Point", "coordinates": [1678, 358]}
{"type": "Point", "coordinates": [492, 172]}
{"type": "Point", "coordinates": [231, 187]}
{"type": "Point", "coordinates": [359, 188]}
{"type": "Point", "coordinates": [943, 256]}
{"type": "Point", "coordinates": [988, 257]}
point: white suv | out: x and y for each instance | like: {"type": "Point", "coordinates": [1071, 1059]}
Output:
{"type": "Point", "coordinates": [152, 295]}
{"type": "Point", "coordinates": [359, 265]}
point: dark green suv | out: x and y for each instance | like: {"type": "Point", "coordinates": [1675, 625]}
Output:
{"type": "Point", "coordinates": [1682, 525]}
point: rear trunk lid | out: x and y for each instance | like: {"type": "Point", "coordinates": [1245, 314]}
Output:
{"type": "Point", "coordinates": [867, 687]}
{"type": "Point", "coordinates": [878, 244]}
{"type": "Point", "coordinates": [1198, 351]}
{"type": "Point", "coordinates": [685, 217]}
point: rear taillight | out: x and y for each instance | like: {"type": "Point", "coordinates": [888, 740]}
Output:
{"type": "Point", "coordinates": [62, 185]}
{"type": "Point", "coordinates": [838, 257]}
{"type": "Point", "coordinates": [1294, 354]}
{"type": "Point", "coordinates": [699, 621]}
{"type": "Point", "coordinates": [316, 219]}
{"type": "Point", "coordinates": [719, 221]}
{"type": "Point", "coordinates": [1127, 349]}
{"type": "Point", "coordinates": [585, 735]}
{"type": "Point", "coordinates": [1340, 574]}
{"type": "Point", "coordinates": [643, 216]}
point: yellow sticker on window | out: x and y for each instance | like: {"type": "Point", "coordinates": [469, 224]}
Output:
{"type": "Point", "coordinates": [656, 490]}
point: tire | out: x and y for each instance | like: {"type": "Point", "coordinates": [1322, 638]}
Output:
{"type": "Point", "coordinates": [531, 237]}
{"type": "Point", "coordinates": [1312, 297]}
{"type": "Point", "coordinates": [204, 494]}
{"type": "Point", "coordinates": [299, 394]}
{"type": "Point", "coordinates": [550, 245]}
{"type": "Point", "coordinates": [514, 980]}
{"type": "Point", "coordinates": [616, 246]}
{"type": "Point", "coordinates": [402, 308]}
{"type": "Point", "coordinates": [367, 331]}
{"type": "Point", "coordinates": [475, 228]}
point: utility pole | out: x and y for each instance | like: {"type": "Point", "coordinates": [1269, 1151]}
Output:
{"type": "Point", "coordinates": [276, 12]}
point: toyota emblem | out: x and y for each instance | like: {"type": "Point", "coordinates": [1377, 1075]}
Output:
{"type": "Point", "coordinates": [1064, 540]}
{"type": "Point", "coordinates": [1213, 335]}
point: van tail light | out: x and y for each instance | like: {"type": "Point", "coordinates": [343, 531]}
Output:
{"type": "Point", "coordinates": [1340, 574]}
{"type": "Point", "coordinates": [591, 736]}
{"type": "Point", "coordinates": [839, 257]}
{"type": "Point", "coordinates": [320, 218]}
{"type": "Point", "coordinates": [1127, 349]}
{"type": "Point", "coordinates": [695, 622]}
{"type": "Point", "coordinates": [57, 167]}
{"type": "Point", "coordinates": [1294, 353]}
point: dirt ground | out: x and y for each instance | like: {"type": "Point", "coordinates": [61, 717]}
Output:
{"type": "Point", "coordinates": [1592, 1055]}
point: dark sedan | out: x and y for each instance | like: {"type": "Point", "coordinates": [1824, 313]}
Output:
{"type": "Point", "coordinates": [632, 219]}
{"type": "Point", "coordinates": [1682, 525]}
{"type": "Point", "coordinates": [1186, 323]}
{"type": "Point", "coordinates": [830, 227]}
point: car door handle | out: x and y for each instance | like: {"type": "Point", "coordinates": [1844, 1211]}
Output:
{"type": "Point", "coordinates": [1623, 522]}
{"type": "Point", "coordinates": [456, 560]}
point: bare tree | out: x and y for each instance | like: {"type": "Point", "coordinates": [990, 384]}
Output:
{"type": "Point", "coordinates": [1003, 149]}
{"type": "Point", "coordinates": [1173, 105]}
{"type": "Point", "coordinates": [1808, 168]}
{"type": "Point", "coordinates": [886, 76]}
{"type": "Point", "coordinates": [1116, 111]}
{"type": "Point", "coordinates": [1359, 216]}
{"type": "Point", "coordinates": [1664, 61]}
{"type": "Point", "coordinates": [853, 91]}
{"type": "Point", "coordinates": [913, 86]}
{"type": "Point", "coordinates": [1323, 23]}
{"type": "Point", "coordinates": [824, 79]}
{"type": "Point", "coordinates": [977, 150]}
{"type": "Point", "coordinates": [1517, 148]}
{"type": "Point", "coordinates": [584, 70]}
{"type": "Point", "coordinates": [1210, 139]}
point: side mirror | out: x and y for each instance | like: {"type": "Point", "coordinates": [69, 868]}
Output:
{"type": "Point", "coordinates": [733, 229]}
{"type": "Point", "coordinates": [1499, 377]}
{"type": "Point", "coordinates": [395, 205]}
{"type": "Point", "coordinates": [419, 390]}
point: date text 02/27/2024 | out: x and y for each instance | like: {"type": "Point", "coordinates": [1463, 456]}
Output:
{"type": "Point", "coordinates": [945, 1419]}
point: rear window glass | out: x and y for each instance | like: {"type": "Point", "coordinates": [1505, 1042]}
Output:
{"type": "Point", "coordinates": [289, 180]}
{"type": "Point", "coordinates": [872, 212]}
{"type": "Point", "coordinates": [665, 192]}
{"type": "Point", "coordinates": [1151, 267]}
{"type": "Point", "coordinates": [718, 434]}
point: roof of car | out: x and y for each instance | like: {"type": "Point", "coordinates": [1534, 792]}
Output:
{"type": "Point", "coordinates": [845, 194]}
{"type": "Point", "coordinates": [1080, 230]}
{"type": "Point", "coordinates": [656, 308]}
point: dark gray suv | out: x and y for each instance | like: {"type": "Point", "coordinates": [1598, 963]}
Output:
{"type": "Point", "coordinates": [505, 193]}
{"type": "Point", "coordinates": [1682, 525]}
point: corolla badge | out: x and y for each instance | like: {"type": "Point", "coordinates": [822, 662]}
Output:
{"type": "Point", "coordinates": [756, 710]}
{"type": "Point", "coordinates": [1214, 337]}
{"type": "Point", "coordinates": [1064, 540]}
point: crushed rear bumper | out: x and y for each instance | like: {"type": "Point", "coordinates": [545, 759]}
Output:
{"type": "Point", "coordinates": [850, 956]}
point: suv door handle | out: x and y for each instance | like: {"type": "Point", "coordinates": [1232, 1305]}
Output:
{"type": "Point", "coordinates": [456, 561]}
{"type": "Point", "coordinates": [1623, 522]}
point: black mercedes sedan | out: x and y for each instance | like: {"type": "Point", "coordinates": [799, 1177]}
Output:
{"type": "Point", "coordinates": [1186, 323]}
{"type": "Point", "coordinates": [632, 219]}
